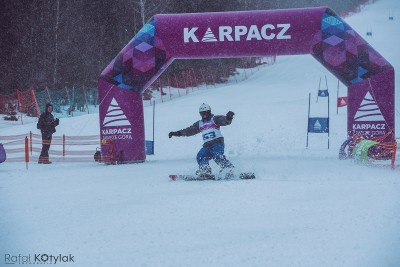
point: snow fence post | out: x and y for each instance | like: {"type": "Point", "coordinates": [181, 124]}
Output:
{"type": "Point", "coordinates": [111, 152]}
{"type": "Point", "coordinates": [30, 141]}
{"type": "Point", "coordinates": [63, 146]}
{"type": "Point", "coordinates": [26, 151]}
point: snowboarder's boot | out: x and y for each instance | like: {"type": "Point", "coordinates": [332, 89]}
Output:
{"type": "Point", "coordinates": [227, 172]}
{"type": "Point", "coordinates": [204, 171]}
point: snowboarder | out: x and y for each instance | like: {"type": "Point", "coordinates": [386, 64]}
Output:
{"type": "Point", "coordinates": [47, 126]}
{"type": "Point", "coordinates": [213, 147]}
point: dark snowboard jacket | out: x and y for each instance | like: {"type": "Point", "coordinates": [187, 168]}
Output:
{"type": "Point", "coordinates": [47, 124]}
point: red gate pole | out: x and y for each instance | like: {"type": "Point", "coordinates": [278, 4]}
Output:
{"type": "Point", "coordinates": [36, 104]}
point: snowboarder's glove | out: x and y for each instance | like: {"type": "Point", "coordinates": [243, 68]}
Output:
{"type": "Point", "coordinates": [56, 122]}
{"type": "Point", "coordinates": [229, 115]}
{"type": "Point", "coordinates": [178, 133]}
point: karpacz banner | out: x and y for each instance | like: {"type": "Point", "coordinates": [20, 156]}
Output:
{"type": "Point", "coordinates": [165, 37]}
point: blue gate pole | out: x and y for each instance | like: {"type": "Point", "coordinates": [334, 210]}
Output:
{"type": "Point", "coordinates": [308, 118]}
{"type": "Point", "coordinates": [319, 88]}
{"type": "Point", "coordinates": [326, 83]}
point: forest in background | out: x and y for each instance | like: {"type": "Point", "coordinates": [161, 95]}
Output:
{"type": "Point", "coordinates": [65, 43]}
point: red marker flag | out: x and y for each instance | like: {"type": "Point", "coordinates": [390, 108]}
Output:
{"type": "Point", "coordinates": [342, 101]}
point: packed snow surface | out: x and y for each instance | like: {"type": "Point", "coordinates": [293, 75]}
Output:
{"type": "Point", "coordinates": [306, 207]}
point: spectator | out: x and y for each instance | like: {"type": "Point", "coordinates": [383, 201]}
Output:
{"type": "Point", "coordinates": [47, 126]}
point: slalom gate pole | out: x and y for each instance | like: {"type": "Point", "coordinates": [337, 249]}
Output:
{"type": "Point", "coordinates": [308, 118]}
{"type": "Point", "coordinates": [326, 83]}
{"type": "Point", "coordinates": [319, 87]}
{"type": "Point", "coordinates": [36, 103]}
{"type": "Point", "coordinates": [328, 121]}
{"type": "Point", "coordinates": [154, 111]}
{"type": "Point", "coordinates": [337, 98]}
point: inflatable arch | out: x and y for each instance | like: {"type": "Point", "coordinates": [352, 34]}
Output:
{"type": "Point", "coordinates": [316, 31]}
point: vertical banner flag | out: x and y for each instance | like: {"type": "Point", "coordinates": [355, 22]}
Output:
{"type": "Point", "coordinates": [318, 125]}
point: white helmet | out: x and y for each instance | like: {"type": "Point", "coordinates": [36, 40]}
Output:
{"type": "Point", "coordinates": [204, 107]}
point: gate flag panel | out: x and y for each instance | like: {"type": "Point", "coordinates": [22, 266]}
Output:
{"type": "Point", "coordinates": [316, 31]}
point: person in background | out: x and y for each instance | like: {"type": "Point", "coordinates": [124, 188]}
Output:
{"type": "Point", "coordinates": [47, 126]}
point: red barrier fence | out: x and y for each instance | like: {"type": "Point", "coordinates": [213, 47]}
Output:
{"type": "Point", "coordinates": [19, 101]}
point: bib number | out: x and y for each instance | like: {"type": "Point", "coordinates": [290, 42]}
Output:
{"type": "Point", "coordinates": [209, 135]}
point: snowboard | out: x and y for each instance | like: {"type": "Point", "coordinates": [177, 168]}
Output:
{"type": "Point", "coordinates": [192, 177]}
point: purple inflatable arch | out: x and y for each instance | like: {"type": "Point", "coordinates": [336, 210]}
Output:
{"type": "Point", "coordinates": [316, 31]}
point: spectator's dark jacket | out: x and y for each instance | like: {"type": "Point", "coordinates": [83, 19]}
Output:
{"type": "Point", "coordinates": [47, 124]}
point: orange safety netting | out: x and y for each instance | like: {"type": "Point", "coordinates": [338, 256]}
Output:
{"type": "Point", "coordinates": [27, 147]}
{"type": "Point", "coordinates": [383, 149]}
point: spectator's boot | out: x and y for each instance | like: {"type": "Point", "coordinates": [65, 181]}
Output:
{"type": "Point", "coordinates": [44, 160]}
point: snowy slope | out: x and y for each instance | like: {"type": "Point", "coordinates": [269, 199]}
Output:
{"type": "Point", "coordinates": [306, 208]}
